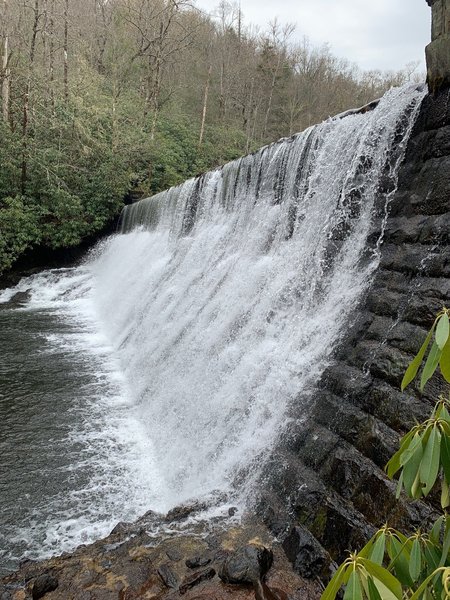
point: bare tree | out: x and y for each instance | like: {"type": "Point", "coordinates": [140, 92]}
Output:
{"type": "Point", "coordinates": [160, 35]}
{"type": "Point", "coordinates": [36, 17]}
{"type": "Point", "coordinates": [6, 72]}
{"type": "Point", "coordinates": [205, 106]}
{"type": "Point", "coordinates": [278, 41]}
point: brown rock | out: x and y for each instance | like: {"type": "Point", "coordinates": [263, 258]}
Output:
{"type": "Point", "coordinates": [196, 578]}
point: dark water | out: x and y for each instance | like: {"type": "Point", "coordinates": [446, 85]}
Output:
{"type": "Point", "coordinates": [69, 466]}
{"type": "Point", "coordinates": [41, 399]}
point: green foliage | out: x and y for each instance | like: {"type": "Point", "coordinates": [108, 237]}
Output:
{"type": "Point", "coordinates": [391, 565]}
{"type": "Point", "coordinates": [423, 455]}
{"type": "Point", "coordinates": [81, 164]}
{"type": "Point", "coordinates": [118, 113]}
{"type": "Point", "coordinates": [438, 355]}
{"type": "Point", "coordinates": [19, 229]}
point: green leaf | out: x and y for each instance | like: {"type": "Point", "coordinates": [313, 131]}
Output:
{"type": "Point", "coordinates": [411, 469]}
{"type": "Point", "coordinates": [365, 552]}
{"type": "Point", "coordinates": [353, 590]}
{"type": "Point", "coordinates": [429, 467]}
{"type": "Point", "coordinates": [437, 588]}
{"type": "Point", "coordinates": [415, 561]}
{"type": "Point", "coordinates": [382, 576]}
{"type": "Point", "coordinates": [336, 582]}
{"type": "Point", "coordinates": [430, 365]}
{"type": "Point", "coordinates": [423, 586]}
{"type": "Point", "coordinates": [445, 455]}
{"type": "Point", "coordinates": [445, 493]}
{"type": "Point", "coordinates": [446, 543]}
{"type": "Point", "coordinates": [444, 361]}
{"type": "Point", "coordinates": [444, 412]}
{"type": "Point", "coordinates": [411, 447]}
{"type": "Point", "coordinates": [373, 592]}
{"type": "Point", "coordinates": [394, 464]}
{"type": "Point", "coordinates": [398, 490]}
{"type": "Point", "coordinates": [385, 592]}
{"type": "Point", "coordinates": [402, 454]}
{"type": "Point", "coordinates": [399, 555]}
{"type": "Point", "coordinates": [432, 555]}
{"type": "Point", "coordinates": [413, 367]}
{"type": "Point", "coordinates": [435, 533]}
{"type": "Point", "coordinates": [378, 549]}
{"type": "Point", "coordinates": [442, 331]}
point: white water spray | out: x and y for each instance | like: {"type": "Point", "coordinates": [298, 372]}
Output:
{"type": "Point", "coordinates": [227, 294]}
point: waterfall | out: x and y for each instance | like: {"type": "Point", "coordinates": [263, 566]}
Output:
{"type": "Point", "coordinates": [225, 297]}
{"type": "Point", "coordinates": [169, 364]}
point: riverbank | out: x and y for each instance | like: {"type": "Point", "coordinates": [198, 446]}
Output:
{"type": "Point", "coordinates": [167, 557]}
{"type": "Point", "coordinates": [41, 258]}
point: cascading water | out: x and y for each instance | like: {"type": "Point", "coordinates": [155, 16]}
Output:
{"type": "Point", "coordinates": [220, 305]}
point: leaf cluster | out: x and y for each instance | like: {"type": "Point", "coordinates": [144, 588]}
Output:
{"type": "Point", "coordinates": [424, 453]}
{"type": "Point", "coordinates": [391, 565]}
{"type": "Point", "coordinates": [439, 353]}
{"type": "Point", "coordinates": [416, 567]}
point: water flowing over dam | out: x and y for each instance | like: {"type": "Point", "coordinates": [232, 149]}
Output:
{"type": "Point", "coordinates": [199, 326]}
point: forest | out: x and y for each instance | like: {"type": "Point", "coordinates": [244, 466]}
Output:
{"type": "Point", "coordinates": [107, 101]}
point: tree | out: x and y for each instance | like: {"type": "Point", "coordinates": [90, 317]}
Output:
{"type": "Point", "coordinates": [106, 100]}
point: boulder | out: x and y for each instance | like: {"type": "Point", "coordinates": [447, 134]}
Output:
{"type": "Point", "coordinates": [246, 565]}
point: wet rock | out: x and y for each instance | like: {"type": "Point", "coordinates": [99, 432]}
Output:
{"type": "Point", "coordinates": [179, 513]}
{"type": "Point", "coordinates": [20, 298]}
{"type": "Point", "coordinates": [232, 511]}
{"type": "Point", "coordinates": [246, 565]}
{"type": "Point", "coordinates": [369, 435]}
{"type": "Point", "coordinates": [197, 561]}
{"type": "Point", "coordinates": [307, 556]}
{"type": "Point", "coordinates": [9, 593]}
{"type": "Point", "coordinates": [168, 576]}
{"type": "Point", "coordinates": [196, 579]}
{"type": "Point", "coordinates": [332, 520]}
{"type": "Point", "coordinates": [121, 528]}
{"type": "Point", "coordinates": [174, 554]}
{"type": "Point", "coordinates": [43, 585]}
{"type": "Point", "coordinates": [263, 592]}
{"type": "Point", "coordinates": [272, 512]}
{"type": "Point", "coordinates": [150, 521]}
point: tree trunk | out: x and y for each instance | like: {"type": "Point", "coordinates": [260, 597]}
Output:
{"type": "Point", "coordinates": [269, 104]}
{"type": "Point", "coordinates": [222, 104]}
{"type": "Point", "coordinates": [155, 95]}
{"type": "Point", "coordinates": [249, 116]}
{"type": "Point", "coordinates": [51, 55]}
{"type": "Point", "coordinates": [26, 101]}
{"type": "Point", "coordinates": [205, 106]}
{"type": "Point", "coordinates": [101, 37]}
{"type": "Point", "coordinates": [5, 82]}
{"type": "Point", "coordinates": [66, 50]}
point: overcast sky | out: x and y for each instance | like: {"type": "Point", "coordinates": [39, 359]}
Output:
{"type": "Point", "coordinates": [374, 34]}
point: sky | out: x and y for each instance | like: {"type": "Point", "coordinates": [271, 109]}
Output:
{"type": "Point", "coordinates": [374, 34]}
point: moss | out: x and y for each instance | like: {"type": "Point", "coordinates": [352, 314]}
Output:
{"type": "Point", "coordinates": [315, 521]}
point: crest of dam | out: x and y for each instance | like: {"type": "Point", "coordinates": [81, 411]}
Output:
{"type": "Point", "coordinates": [225, 296]}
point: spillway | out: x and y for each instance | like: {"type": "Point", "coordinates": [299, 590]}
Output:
{"type": "Point", "coordinates": [211, 314]}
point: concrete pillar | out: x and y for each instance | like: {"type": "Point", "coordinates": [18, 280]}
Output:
{"type": "Point", "coordinates": [438, 52]}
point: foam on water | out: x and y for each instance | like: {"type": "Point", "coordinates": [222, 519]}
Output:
{"type": "Point", "coordinates": [213, 314]}
{"type": "Point", "coordinates": [109, 472]}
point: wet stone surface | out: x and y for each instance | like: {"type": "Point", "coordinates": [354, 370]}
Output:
{"type": "Point", "coordinates": [139, 562]}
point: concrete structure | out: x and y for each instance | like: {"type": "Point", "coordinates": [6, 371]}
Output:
{"type": "Point", "coordinates": [438, 52]}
